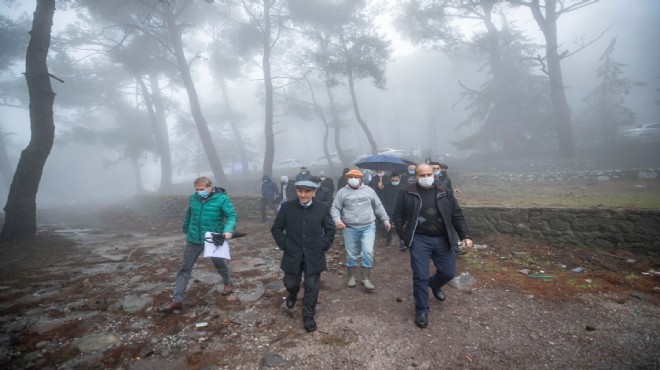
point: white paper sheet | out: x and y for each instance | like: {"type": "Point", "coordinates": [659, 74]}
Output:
{"type": "Point", "coordinates": [210, 250]}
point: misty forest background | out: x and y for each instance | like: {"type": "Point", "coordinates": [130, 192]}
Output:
{"type": "Point", "coordinates": [152, 93]}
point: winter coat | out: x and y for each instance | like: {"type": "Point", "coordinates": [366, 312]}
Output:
{"type": "Point", "coordinates": [409, 205]}
{"type": "Point", "coordinates": [323, 195]}
{"type": "Point", "coordinates": [328, 184]}
{"type": "Point", "coordinates": [214, 213]}
{"type": "Point", "coordinates": [268, 188]}
{"type": "Point", "coordinates": [389, 195]}
{"type": "Point", "coordinates": [303, 234]}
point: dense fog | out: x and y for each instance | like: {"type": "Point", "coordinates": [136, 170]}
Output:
{"type": "Point", "coordinates": [422, 95]}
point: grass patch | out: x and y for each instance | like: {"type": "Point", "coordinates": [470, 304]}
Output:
{"type": "Point", "coordinates": [631, 276]}
{"type": "Point", "coordinates": [335, 340]}
{"type": "Point", "coordinates": [621, 193]}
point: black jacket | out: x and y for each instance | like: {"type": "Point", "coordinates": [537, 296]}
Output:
{"type": "Point", "coordinates": [324, 195]}
{"type": "Point", "coordinates": [328, 184]}
{"type": "Point", "coordinates": [409, 204]}
{"type": "Point", "coordinates": [303, 233]}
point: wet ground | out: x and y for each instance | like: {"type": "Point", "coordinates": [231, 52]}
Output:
{"type": "Point", "coordinates": [83, 296]}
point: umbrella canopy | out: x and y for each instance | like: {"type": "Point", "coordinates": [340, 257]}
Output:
{"type": "Point", "coordinates": [382, 163]}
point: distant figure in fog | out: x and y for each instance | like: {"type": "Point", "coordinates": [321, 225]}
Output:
{"type": "Point", "coordinates": [322, 194]}
{"type": "Point", "coordinates": [287, 190]}
{"type": "Point", "coordinates": [409, 177]}
{"type": "Point", "coordinates": [341, 181]}
{"type": "Point", "coordinates": [268, 196]}
{"type": "Point", "coordinates": [209, 209]}
{"type": "Point", "coordinates": [303, 175]}
{"type": "Point", "coordinates": [388, 197]}
{"type": "Point", "coordinates": [327, 182]}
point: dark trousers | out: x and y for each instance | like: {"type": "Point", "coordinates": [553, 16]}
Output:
{"type": "Point", "coordinates": [268, 202]}
{"type": "Point", "coordinates": [312, 288]}
{"type": "Point", "coordinates": [438, 250]}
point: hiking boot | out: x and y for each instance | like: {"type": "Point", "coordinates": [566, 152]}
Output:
{"type": "Point", "coordinates": [366, 272]}
{"type": "Point", "coordinates": [171, 307]}
{"type": "Point", "coordinates": [228, 289]}
{"type": "Point", "coordinates": [352, 281]}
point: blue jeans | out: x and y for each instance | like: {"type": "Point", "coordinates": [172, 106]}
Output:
{"type": "Point", "coordinates": [437, 249]}
{"type": "Point", "coordinates": [190, 254]}
{"type": "Point", "coordinates": [360, 240]}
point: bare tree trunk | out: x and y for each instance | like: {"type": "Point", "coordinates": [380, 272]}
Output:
{"type": "Point", "coordinates": [500, 115]}
{"type": "Point", "coordinates": [326, 125]}
{"type": "Point", "coordinates": [358, 116]}
{"type": "Point", "coordinates": [160, 132]}
{"type": "Point", "coordinates": [162, 135]}
{"type": "Point", "coordinates": [562, 113]}
{"type": "Point", "coordinates": [139, 184]}
{"type": "Point", "coordinates": [234, 128]}
{"type": "Point", "coordinates": [5, 166]}
{"type": "Point", "coordinates": [337, 125]}
{"type": "Point", "coordinates": [193, 99]}
{"type": "Point", "coordinates": [269, 155]}
{"type": "Point", "coordinates": [21, 208]}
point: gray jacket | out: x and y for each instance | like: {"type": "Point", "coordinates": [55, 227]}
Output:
{"type": "Point", "coordinates": [357, 207]}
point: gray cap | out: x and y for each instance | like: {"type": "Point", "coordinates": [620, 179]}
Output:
{"type": "Point", "coordinates": [306, 184]}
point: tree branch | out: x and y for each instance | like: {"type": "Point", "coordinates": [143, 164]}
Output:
{"type": "Point", "coordinates": [584, 45]}
{"type": "Point", "coordinates": [55, 78]}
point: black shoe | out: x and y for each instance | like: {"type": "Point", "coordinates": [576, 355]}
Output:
{"type": "Point", "coordinates": [421, 320]}
{"type": "Point", "coordinates": [291, 300]}
{"type": "Point", "coordinates": [437, 293]}
{"type": "Point", "coordinates": [309, 323]}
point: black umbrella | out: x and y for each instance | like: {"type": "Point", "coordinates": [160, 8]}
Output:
{"type": "Point", "coordinates": [382, 163]}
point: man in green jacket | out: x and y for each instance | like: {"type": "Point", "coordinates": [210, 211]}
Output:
{"type": "Point", "coordinates": [209, 209]}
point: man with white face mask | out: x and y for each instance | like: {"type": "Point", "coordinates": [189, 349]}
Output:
{"type": "Point", "coordinates": [425, 217]}
{"type": "Point", "coordinates": [354, 211]}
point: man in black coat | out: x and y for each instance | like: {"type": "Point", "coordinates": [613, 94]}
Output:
{"type": "Point", "coordinates": [427, 217]}
{"type": "Point", "coordinates": [304, 230]}
{"type": "Point", "coordinates": [322, 194]}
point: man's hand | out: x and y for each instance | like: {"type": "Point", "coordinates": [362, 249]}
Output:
{"type": "Point", "coordinates": [340, 225]}
{"type": "Point", "coordinates": [227, 236]}
{"type": "Point", "coordinates": [467, 243]}
{"type": "Point", "coordinates": [388, 226]}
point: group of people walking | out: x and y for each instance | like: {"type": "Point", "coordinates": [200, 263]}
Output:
{"type": "Point", "coordinates": [419, 207]}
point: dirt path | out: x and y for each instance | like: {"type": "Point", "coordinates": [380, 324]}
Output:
{"type": "Point", "coordinates": [83, 297]}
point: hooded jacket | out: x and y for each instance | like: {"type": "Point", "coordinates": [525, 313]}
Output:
{"type": "Point", "coordinates": [268, 188]}
{"type": "Point", "coordinates": [409, 205]}
{"type": "Point", "coordinates": [214, 213]}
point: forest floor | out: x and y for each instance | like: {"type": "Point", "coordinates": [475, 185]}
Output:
{"type": "Point", "coordinates": [84, 293]}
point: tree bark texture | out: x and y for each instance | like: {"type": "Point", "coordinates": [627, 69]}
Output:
{"type": "Point", "coordinates": [236, 131]}
{"type": "Point", "coordinates": [193, 99]}
{"type": "Point", "coordinates": [21, 207]}
{"type": "Point", "coordinates": [336, 121]}
{"type": "Point", "coordinates": [5, 166]}
{"type": "Point", "coordinates": [548, 24]}
{"type": "Point", "coordinates": [269, 155]}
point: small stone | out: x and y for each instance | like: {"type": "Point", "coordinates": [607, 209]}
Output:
{"type": "Point", "coordinates": [637, 295]}
{"type": "Point", "coordinates": [272, 360]}
{"type": "Point", "coordinates": [590, 328]}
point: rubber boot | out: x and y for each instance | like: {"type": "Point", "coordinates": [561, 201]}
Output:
{"type": "Point", "coordinates": [352, 277]}
{"type": "Point", "coordinates": [366, 272]}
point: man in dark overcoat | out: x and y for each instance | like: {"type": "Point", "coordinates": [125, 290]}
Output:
{"type": "Point", "coordinates": [304, 230]}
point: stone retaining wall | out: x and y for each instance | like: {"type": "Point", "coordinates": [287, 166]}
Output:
{"type": "Point", "coordinates": [572, 176]}
{"type": "Point", "coordinates": [576, 226]}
